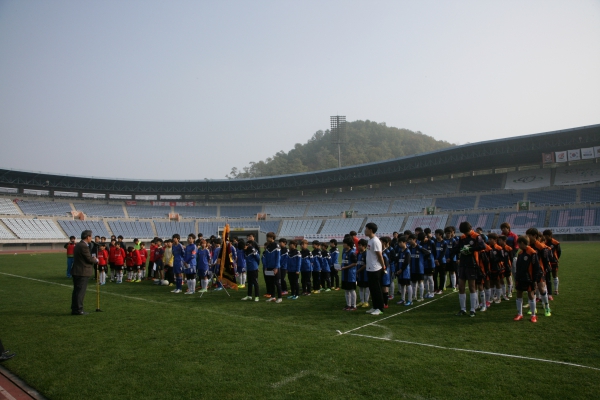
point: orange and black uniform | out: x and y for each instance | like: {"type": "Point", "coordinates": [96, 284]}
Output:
{"type": "Point", "coordinates": [528, 271]}
{"type": "Point", "coordinates": [496, 257]}
{"type": "Point", "coordinates": [556, 252]}
{"type": "Point", "coordinates": [470, 265]}
{"type": "Point", "coordinates": [507, 252]}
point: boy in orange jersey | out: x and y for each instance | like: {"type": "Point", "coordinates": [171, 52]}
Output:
{"type": "Point", "coordinates": [556, 253]}
{"type": "Point", "coordinates": [507, 252]}
{"type": "Point", "coordinates": [528, 272]}
{"type": "Point", "coordinates": [496, 256]}
{"type": "Point", "coordinates": [543, 253]}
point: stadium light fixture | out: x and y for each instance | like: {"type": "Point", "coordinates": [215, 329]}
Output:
{"type": "Point", "coordinates": [338, 129]}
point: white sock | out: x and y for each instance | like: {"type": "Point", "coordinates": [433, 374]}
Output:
{"type": "Point", "coordinates": [392, 287]}
{"type": "Point", "coordinates": [204, 284]}
{"type": "Point", "coordinates": [555, 283]}
{"type": "Point", "coordinates": [545, 299]}
{"type": "Point", "coordinates": [488, 295]}
{"type": "Point", "coordinates": [473, 297]}
{"type": "Point", "coordinates": [532, 306]}
{"type": "Point", "coordinates": [413, 287]}
{"type": "Point", "coordinates": [453, 280]}
{"type": "Point", "coordinates": [482, 298]}
{"type": "Point", "coordinates": [243, 278]}
{"type": "Point", "coordinates": [120, 276]}
{"type": "Point", "coordinates": [502, 290]}
{"type": "Point", "coordinates": [348, 298]}
{"type": "Point", "coordinates": [510, 287]}
{"type": "Point", "coordinates": [403, 291]}
{"type": "Point", "coordinates": [193, 286]}
{"type": "Point", "coordinates": [462, 299]}
{"type": "Point", "coordinates": [353, 299]}
{"type": "Point", "coordinates": [409, 293]}
{"type": "Point", "coordinates": [367, 294]}
{"type": "Point", "coordinates": [520, 306]}
{"type": "Point", "coordinates": [421, 289]}
{"type": "Point", "coordinates": [431, 284]}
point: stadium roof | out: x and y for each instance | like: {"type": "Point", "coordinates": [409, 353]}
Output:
{"type": "Point", "coordinates": [521, 150]}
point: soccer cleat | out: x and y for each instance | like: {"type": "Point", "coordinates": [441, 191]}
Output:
{"type": "Point", "coordinates": [247, 298]}
{"type": "Point", "coordinates": [346, 308]}
{"type": "Point", "coordinates": [337, 288]}
{"type": "Point", "coordinates": [550, 298]}
{"type": "Point", "coordinates": [526, 305]}
{"type": "Point", "coordinates": [294, 297]}
{"type": "Point", "coordinates": [268, 296]}
{"type": "Point", "coordinates": [284, 293]}
{"type": "Point", "coordinates": [290, 297]}
{"type": "Point", "coordinates": [454, 290]}
{"type": "Point", "coordinates": [461, 313]}
{"type": "Point", "coordinates": [408, 303]}
{"type": "Point", "coordinates": [256, 299]}
{"type": "Point", "coordinates": [533, 319]}
{"type": "Point", "coordinates": [510, 295]}
{"type": "Point", "coordinates": [177, 291]}
{"type": "Point", "coordinates": [385, 306]}
{"type": "Point", "coordinates": [497, 301]}
{"type": "Point", "coordinates": [359, 304]}
{"type": "Point", "coordinates": [547, 312]}
{"type": "Point", "coordinates": [370, 311]}
{"type": "Point", "coordinates": [271, 300]}
{"type": "Point", "coordinates": [278, 301]}
{"type": "Point", "coordinates": [556, 292]}
{"type": "Point", "coordinates": [400, 302]}
{"type": "Point", "coordinates": [505, 298]}
{"type": "Point", "coordinates": [365, 305]}
{"type": "Point", "coordinates": [483, 309]}
{"type": "Point", "coordinates": [377, 312]}
{"type": "Point", "coordinates": [420, 300]}
{"type": "Point", "coordinates": [472, 314]}
{"type": "Point", "coordinates": [217, 289]}
{"type": "Point", "coordinates": [202, 291]}
{"type": "Point", "coordinates": [189, 292]}
{"type": "Point", "coordinates": [519, 317]}
{"type": "Point", "coordinates": [173, 291]}
{"type": "Point", "coordinates": [352, 309]}
{"type": "Point", "coordinates": [328, 290]}
{"type": "Point", "coordinates": [391, 297]}
{"type": "Point", "coordinates": [487, 304]}
{"type": "Point", "coordinates": [170, 284]}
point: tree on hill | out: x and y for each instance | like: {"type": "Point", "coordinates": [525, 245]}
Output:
{"type": "Point", "coordinates": [365, 142]}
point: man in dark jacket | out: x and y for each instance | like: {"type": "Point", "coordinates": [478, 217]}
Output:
{"type": "Point", "coordinates": [83, 268]}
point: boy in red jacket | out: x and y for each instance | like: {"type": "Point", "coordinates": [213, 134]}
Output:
{"type": "Point", "coordinates": [143, 256]}
{"type": "Point", "coordinates": [118, 256]}
{"type": "Point", "coordinates": [70, 248]}
{"type": "Point", "coordinates": [134, 262]}
{"type": "Point", "coordinates": [102, 263]}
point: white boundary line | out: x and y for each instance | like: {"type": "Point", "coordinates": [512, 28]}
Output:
{"type": "Point", "coordinates": [395, 315]}
{"type": "Point", "coordinates": [477, 351]}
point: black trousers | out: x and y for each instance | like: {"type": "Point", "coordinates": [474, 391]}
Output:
{"type": "Point", "coordinates": [335, 278]}
{"type": "Point", "coordinates": [169, 276]}
{"type": "Point", "coordinates": [283, 273]}
{"type": "Point", "coordinates": [316, 275]}
{"type": "Point", "coordinates": [306, 288]}
{"type": "Point", "coordinates": [375, 288]}
{"type": "Point", "coordinates": [79, 288]}
{"type": "Point", "coordinates": [274, 283]}
{"type": "Point", "coordinates": [439, 271]}
{"type": "Point", "coordinates": [325, 279]}
{"type": "Point", "coordinates": [294, 287]}
{"type": "Point", "coordinates": [252, 282]}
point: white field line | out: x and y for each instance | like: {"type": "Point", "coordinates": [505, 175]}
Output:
{"type": "Point", "coordinates": [252, 318]}
{"type": "Point", "coordinates": [395, 315]}
{"type": "Point", "coordinates": [290, 379]}
{"type": "Point", "coordinates": [477, 351]}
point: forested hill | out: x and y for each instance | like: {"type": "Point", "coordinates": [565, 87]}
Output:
{"type": "Point", "coordinates": [365, 141]}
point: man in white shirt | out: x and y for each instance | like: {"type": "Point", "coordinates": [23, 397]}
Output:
{"type": "Point", "coordinates": [374, 268]}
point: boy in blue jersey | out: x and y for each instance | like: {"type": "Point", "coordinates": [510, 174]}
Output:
{"type": "Point", "coordinates": [404, 272]}
{"type": "Point", "coordinates": [418, 258]}
{"type": "Point", "coordinates": [215, 262]}
{"type": "Point", "coordinates": [441, 249]}
{"type": "Point", "coordinates": [294, 263]}
{"type": "Point", "coordinates": [427, 242]}
{"type": "Point", "coordinates": [451, 257]}
{"type": "Point", "coordinates": [240, 266]}
{"type": "Point", "coordinates": [325, 268]}
{"type": "Point", "coordinates": [189, 264]}
{"type": "Point", "coordinates": [334, 259]}
{"type": "Point", "coordinates": [349, 273]}
{"type": "Point", "coordinates": [178, 254]}
{"type": "Point", "coordinates": [362, 279]}
{"type": "Point", "coordinates": [316, 266]}
{"type": "Point", "coordinates": [305, 267]}
{"type": "Point", "coordinates": [283, 261]}
{"type": "Point", "coordinates": [271, 259]}
{"type": "Point", "coordinates": [252, 261]}
{"type": "Point", "coordinates": [203, 265]}
{"type": "Point", "coordinates": [386, 276]}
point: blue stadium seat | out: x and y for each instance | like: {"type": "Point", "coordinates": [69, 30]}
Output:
{"type": "Point", "coordinates": [499, 200]}
{"type": "Point", "coordinates": [552, 197]}
{"type": "Point", "coordinates": [481, 183]}
{"type": "Point", "coordinates": [456, 203]}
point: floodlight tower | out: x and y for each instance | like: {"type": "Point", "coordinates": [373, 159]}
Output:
{"type": "Point", "coordinates": [338, 128]}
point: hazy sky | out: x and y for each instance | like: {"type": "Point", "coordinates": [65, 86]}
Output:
{"type": "Point", "coordinates": [188, 89]}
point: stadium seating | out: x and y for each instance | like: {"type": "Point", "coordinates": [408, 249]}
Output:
{"type": "Point", "coordinates": [5, 233]}
{"type": "Point", "coordinates": [490, 201]}
{"type": "Point", "coordinates": [396, 191]}
{"type": "Point", "coordinates": [197, 211]}
{"type": "Point", "coordinates": [300, 227]}
{"type": "Point", "coordinates": [355, 194]}
{"type": "Point", "coordinates": [314, 197]}
{"type": "Point", "coordinates": [483, 221]}
{"type": "Point", "coordinates": [575, 217]}
{"type": "Point", "coordinates": [327, 209]}
{"type": "Point", "coordinates": [7, 207]}
{"type": "Point", "coordinates": [100, 210]}
{"type": "Point", "coordinates": [432, 221]}
{"type": "Point", "coordinates": [341, 226]}
{"type": "Point", "coordinates": [590, 195]}
{"type": "Point", "coordinates": [130, 230]}
{"type": "Point", "coordinates": [285, 211]}
{"type": "Point", "coordinates": [481, 183]}
{"type": "Point", "coordinates": [456, 203]}
{"type": "Point", "coordinates": [34, 228]}
{"type": "Point", "coordinates": [371, 207]}
{"type": "Point", "coordinates": [523, 219]}
{"type": "Point", "coordinates": [437, 187]}
{"type": "Point", "coordinates": [240, 211]}
{"type": "Point", "coordinates": [409, 206]}
{"type": "Point", "coordinates": [75, 227]}
{"type": "Point", "coordinates": [552, 197]}
{"type": "Point", "coordinates": [148, 212]}
{"type": "Point", "coordinates": [386, 225]}
{"type": "Point", "coordinates": [168, 229]}
{"type": "Point", "coordinates": [46, 208]}
{"type": "Point", "coordinates": [209, 228]}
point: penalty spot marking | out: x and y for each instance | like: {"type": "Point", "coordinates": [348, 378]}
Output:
{"type": "Point", "coordinates": [477, 351]}
{"type": "Point", "coordinates": [394, 315]}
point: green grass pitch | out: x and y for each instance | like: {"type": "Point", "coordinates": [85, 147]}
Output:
{"type": "Point", "coordinates": [152, 344]}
